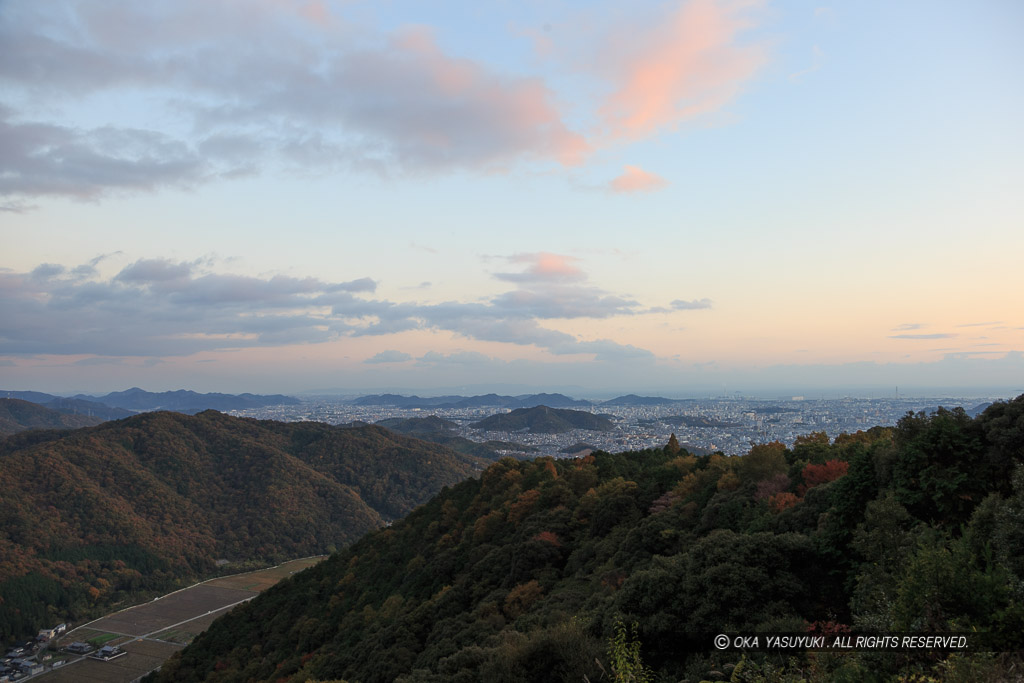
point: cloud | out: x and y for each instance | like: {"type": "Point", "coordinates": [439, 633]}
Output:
{"type": "Point", "coordinates": [98, 360]}
{"type": "Point", "coordinates": [460, 358]}
{"type": "Point", "coordinates": [907, 326]}
{"type": "Point", "coordinates": [937, 335]}
{"type": "Point", "coordinates": [8, 364]}
{"type": "Point", "coordinates": [256, 84]}
{"type": "Point", "coordinates": [17, 207]}
{"type": "Point", "coordinates": [389, 356]}
{"type": "Point", "coordinates": [432, 110]}
{"type": "Point", "coordinates": [674, 65]}
{"type": "Point", "coordinates": [610, 351]}
{"type": "Point", "coordinates": [994, 322]}
{"type": "Point", "coordinates": [544, 267]}
{"type": "Point", "coordinates": [45, 271]}
{"type": "Point", "coordinates": [155, 270]}
{"type": "Point", "coordinates": [553, 286]}
{"type": "Point", "coordinates": [231, 89]}
{"type": "Point", "coordinates": [158, 307]}
{"type": "Point", "coordinates": [817, 57]}
{"type": "Point", "coordinates": [695, 304]}
{"type": "Point", "coordinates": [636, 179]}
{"type": "Point", "coordinates": [959, 355]}
{"type": "Point", "coordinates": [42, 159]}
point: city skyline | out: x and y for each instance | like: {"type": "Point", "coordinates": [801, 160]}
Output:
{"type": "Point", "coordinates": [285, 196]}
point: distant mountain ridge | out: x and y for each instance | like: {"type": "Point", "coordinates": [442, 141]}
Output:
{"type": "Point", "coordinates": [78, 406]}
{"type": "Point", "coordinates": [185, 401]}
{"type": "Point", "coordinates": [482, 401]}
{"type": "Point", "coordinates": [521, 401]}
{"type": "Point", "coordinates": [70, 406]}
{"type": "Point", "coordinates": [634, 400]}
{"type": "Point", "coordinates": [118, 404]}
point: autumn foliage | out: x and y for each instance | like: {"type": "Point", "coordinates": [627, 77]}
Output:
{"type": "Point", "coordinates": [120, 511]}
{"type": "Point", "coordinates": [815, 475]}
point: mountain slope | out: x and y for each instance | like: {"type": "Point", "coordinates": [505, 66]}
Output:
{"type": "Point", "coordinates": [529, 572]}
{"type": "Point", "coordinates": [17, 415]}
{"type": "Point", "coordinates": [77, 406]}
{"type": "Point", "coordinates": [141, 503]}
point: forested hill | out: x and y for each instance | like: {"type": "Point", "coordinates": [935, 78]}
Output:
{"type": "Point", "coordinates": [525, 573]}
{"type": "Point", "coordinates": [17, 415]}
{"type": "Point", "coordinates": [145, 503]}
{"type": "Point", "coordinates": [544, 420]}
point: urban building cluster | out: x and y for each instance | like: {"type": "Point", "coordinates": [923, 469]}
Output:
{"type": "Point", "coordinates": [726, 424]}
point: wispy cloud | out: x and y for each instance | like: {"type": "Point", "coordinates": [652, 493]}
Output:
{"type": "Point", "coordinates": [676, 64]}
{"type": "Point", "coordinates": [817, 58]}
{"type": "Point", "coordinates": [905, 327]}
{"type": "Point", "coordinates": [695, 304]}
{"type": "Point", "coordinates": [389, 356]}
{"type": "Point", "coordinates": [936, 335]}
{"type": "Point", "coordinates": [462, 358]}
{"type": "Point", "coordinates": [636, 179]}
{"type": "Point", "coordinates": [98, 360]}
{"type": "Point", "coordinates": [543, 267]}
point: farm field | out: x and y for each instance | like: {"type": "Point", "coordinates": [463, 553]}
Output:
{"type": "Point", "coordinates": [171, 609]}
{"type": "Point", "coordinates": [143, 656]}
{"type": "Point", "coordinates": [153, 631]}
{"type": "Point", "coordinates": [184, 633]}
{"type": "Point", "coordinates": [263, 578]}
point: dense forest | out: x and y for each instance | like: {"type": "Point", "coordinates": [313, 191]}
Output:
{"type": "Point", "coordinates": [612, 566]}
{"type": "Point", "coordinates": [106, 515]}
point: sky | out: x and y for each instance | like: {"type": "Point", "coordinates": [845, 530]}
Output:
{"type": "Point", "coordinates": [684, 197]}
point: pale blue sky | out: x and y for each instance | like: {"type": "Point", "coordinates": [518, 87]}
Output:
{"type": "Point", "coordinates": [607, 196]}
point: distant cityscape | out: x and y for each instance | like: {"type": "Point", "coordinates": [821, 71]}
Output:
{"type": "Point", "coordinates": [729, 425]}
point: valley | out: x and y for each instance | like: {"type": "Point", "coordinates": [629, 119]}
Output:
{"type": "Point", "coordinates": [151, 632]}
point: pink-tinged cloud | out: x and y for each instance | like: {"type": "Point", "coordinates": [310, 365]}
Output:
{"type": "Point", "coordinates": [636, 179]}
{"type": "Point", "coordinates": [263, 82]}
{"type": "Point", "coordinates": [677, 66]}
{"type": "Point", "coordinates": [544, 267]}
{"type": "Point", "coordinates": [439, 110]}
{"type": "Point", "coordinates": [315, 11]}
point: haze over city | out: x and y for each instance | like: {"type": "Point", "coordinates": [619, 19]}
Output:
{"type": "Point", "coordinates": [682, 198]}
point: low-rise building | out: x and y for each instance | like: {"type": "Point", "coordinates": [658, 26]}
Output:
{"type": "Point", "coordinates": [108, 652]}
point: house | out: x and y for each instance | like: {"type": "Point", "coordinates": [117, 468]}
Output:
{"type": "Point", "coordinates": [79, 648]}
{"type": "Point", "coordinates": [108, 652]}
